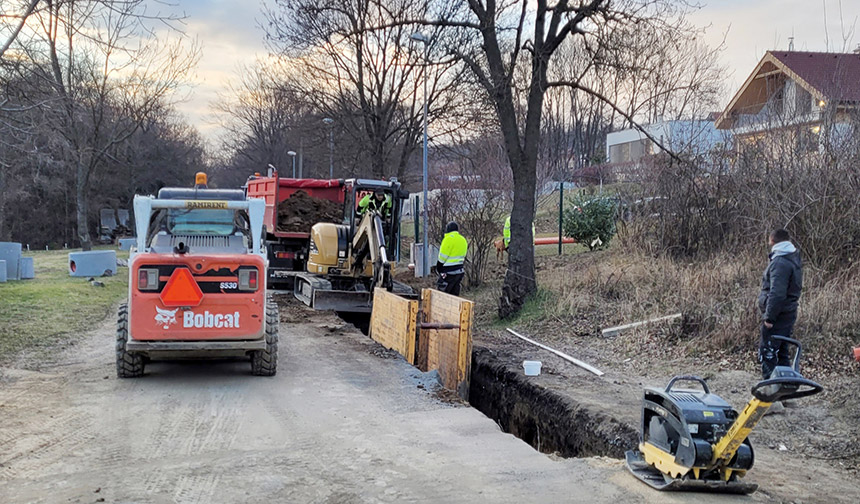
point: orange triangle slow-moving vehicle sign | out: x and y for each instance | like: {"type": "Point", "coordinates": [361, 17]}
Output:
{"type": "Point", "coordinates": [181, 289]}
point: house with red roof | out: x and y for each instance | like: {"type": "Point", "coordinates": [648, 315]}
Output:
{"type": "Point", "coordinates": [808, 98]}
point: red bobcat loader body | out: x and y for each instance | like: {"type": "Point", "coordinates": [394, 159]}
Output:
{"type": "Point", "coordinates": [197, 285]}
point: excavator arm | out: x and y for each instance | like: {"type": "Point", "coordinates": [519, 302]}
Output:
{"type": "Point", "coordinates": [369, 244]}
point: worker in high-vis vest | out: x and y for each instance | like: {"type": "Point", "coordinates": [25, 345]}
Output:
{"type": "Point", "coordinates": [506, 233]}
{"type": "Point", "coordinates": [452, 256]}
{"type": "Point", "coordinates": [378, 201]}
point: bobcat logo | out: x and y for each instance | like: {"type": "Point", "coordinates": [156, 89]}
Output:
{"type": "Point", "coordinates": [165, 317]}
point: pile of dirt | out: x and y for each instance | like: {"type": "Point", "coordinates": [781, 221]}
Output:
{"type": "Point", "coordinates": [300, 211]}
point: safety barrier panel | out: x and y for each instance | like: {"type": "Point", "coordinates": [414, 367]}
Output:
{"type": "Point", "coordinates": [445, 339]}
{"type": "Point", "coordinates": [26, 268]}
{"type": "Point", "coordinates": [126, 243]}
{"type": "Point", "coordinates": [2, 271]}
{"type": "Point", "coordinates": [11, 253]}
{"type": "Point", "coordinates": [393, 322]}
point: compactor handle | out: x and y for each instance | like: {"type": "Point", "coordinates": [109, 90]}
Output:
{"type": "Point", "coordinates": [698, 379]}
{"type": "Point", "coordinates": [785, 388]}
{"type": "Point", "coordinates": [795, 362]}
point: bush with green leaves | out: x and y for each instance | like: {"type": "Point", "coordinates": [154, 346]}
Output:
{"type": "Point", "coordinates": [590, 220]}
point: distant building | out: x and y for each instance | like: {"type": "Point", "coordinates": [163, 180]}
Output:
{"type": "Point", "coordinates": [806, 97]}
{"type": "Point", "coordinates": [692, 137]}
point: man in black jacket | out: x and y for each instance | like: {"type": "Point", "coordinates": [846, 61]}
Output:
{"type": "Point", "coordinates": [780, 292]}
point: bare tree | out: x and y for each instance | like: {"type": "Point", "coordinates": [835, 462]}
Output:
{"type": "Point", "coordinates": [107, 71]}
{"type": "Point", "coordinates": [497, 40]}
{"type": "Point", "coordinates": [370, 81]}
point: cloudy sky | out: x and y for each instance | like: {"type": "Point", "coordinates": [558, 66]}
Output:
{"type": "Point", "coordinates": [230, 34]}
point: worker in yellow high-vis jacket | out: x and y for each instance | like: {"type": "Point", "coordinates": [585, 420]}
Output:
{"type": "Point", "coordinates": [452, 256]}
{"type": "Point", "coordinates": [506, 233]}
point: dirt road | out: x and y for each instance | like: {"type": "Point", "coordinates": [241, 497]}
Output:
{"type": "Point", "coordinates": [343, 421]}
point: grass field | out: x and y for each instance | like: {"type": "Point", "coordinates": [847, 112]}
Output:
{"type": "Point", "coordinates": [36, 313]}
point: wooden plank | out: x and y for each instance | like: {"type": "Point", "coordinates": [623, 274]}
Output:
{"type": "Point", "coordinates": [465, 355]}
{"type": "Point", "coordinates": [423, 334]}
{"type": "Point", "coordinates": [563, 355]}
{"type": "Point", "coordinates": [612, 331]}
{"type": "Point", "coordinates": [392, 323]}
{"type": "Point", "coordinates": [449, 350]}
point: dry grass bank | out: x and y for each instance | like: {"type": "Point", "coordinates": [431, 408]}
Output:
{"type": "Point", "coordinates": [582, 293]}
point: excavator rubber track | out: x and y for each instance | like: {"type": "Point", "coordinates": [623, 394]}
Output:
{"type": "Point", "coordinates": [652, 477]}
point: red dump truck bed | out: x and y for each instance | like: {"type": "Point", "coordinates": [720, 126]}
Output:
{"type": "Point", "coordinates": [276, 189]}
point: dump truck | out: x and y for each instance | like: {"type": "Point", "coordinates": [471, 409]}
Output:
{"type": "Point", "coordinates": [287, 222]}
{"type": "Point", "coordinates": [197, 283]}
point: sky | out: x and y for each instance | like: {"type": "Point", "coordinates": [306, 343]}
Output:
{"type": "Point", "coordinates": [230, 34]}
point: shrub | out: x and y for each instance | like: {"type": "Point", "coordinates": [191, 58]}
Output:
{"type": "Point", "coordinates": [591, 220]}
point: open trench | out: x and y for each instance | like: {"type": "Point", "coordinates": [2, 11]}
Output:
{"type": "Point", "coordinates": [547, 420]}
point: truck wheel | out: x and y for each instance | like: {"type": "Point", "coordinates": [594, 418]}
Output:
{"type": "Point", "coordinates": [265, 362]}
{"type": "Point", "coordinates": [128, 364]}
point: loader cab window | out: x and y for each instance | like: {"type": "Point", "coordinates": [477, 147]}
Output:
{"type": "Point", "coordinates": [202, 222]}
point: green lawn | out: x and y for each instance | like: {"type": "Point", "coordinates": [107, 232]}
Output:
{"type": "Point", "coordinates": [37, 313]}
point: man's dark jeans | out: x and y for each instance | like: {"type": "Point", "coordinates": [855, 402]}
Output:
{"type": "Point", "coordinates": [774, 353]}
{"type": "Point", "coordinates": [450, 284]}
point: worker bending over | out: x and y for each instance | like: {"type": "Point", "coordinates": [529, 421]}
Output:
{"type": "Point", "coordinates": [378, 201]}
{"type": "Point", "coordinates": [452, 255]}
{"type": "Point", "coordinates": [506, 233]}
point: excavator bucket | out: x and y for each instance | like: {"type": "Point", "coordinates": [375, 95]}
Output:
{"type": "Point", "coordinates": [649, 475]}
{"type": "Point", "coordinates": [318, 294]}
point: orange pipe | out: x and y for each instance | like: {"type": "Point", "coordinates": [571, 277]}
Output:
{"type": "Point", "coordinates": [552, 240]}
{"type": "Point", "coordinates": [857, 354]}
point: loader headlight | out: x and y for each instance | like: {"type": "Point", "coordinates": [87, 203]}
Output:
{"type": "Point", "coordinates": [147, 279]}
{"type": "Point", "coordinates": [248, 279]}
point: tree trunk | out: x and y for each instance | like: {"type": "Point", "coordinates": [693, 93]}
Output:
{"type": "Point", "coordinates": [81, 178]}
{"type": "Point", "coordinates": [520, 277]}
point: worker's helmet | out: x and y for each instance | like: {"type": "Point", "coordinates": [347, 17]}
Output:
{"type": "Point", "coordinates": [452, 226]}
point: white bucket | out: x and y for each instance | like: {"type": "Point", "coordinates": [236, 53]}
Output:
{"type": "Point", "coordinates": [532, 367]}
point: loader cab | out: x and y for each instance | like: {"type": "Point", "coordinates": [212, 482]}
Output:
{"type": "Point", "coordinates": [355, 189]}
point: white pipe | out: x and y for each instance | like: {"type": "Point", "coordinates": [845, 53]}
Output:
{"type": "Point", "coordinates": [560, 354]}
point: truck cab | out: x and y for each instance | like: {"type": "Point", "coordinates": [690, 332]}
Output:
{"type": "Point", "coordinates": [197, 282]}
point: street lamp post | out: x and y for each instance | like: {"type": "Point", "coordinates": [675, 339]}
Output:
{"type": "Point", "coordinates": [420, 37]}
{"type": "Point", "coordinates": [329, 121]}
{"type": "Point", "coordinates": [292, 154]}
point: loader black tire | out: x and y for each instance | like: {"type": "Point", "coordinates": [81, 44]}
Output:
{"type": "Point", "coordinates": [128, 364]}
{"type": "Point", "coordinates": [265, 362]}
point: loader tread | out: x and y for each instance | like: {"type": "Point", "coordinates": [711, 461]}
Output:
{"type": "Point", "coordinates": [128, 364]}
{"type": "Point", "coordinates": [265, 362]}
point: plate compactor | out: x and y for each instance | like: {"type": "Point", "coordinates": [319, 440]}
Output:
{"type": "Point", "coordinates": [694, 440]}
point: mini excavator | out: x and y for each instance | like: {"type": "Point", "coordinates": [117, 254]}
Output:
{"type": "Point", "coordinates": [694, 440]}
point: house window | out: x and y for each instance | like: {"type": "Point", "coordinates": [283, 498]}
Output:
{"type": "Point", "coordinates": [802, 101]}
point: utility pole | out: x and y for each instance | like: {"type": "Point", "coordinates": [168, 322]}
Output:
{"type": "Point", "coordinates": [329, 122]}
{"type": "Point", "coordinates": [420, 37]}
{"type": "Point", "coordinates": [292, 154]}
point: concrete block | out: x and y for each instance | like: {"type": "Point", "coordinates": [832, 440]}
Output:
{"type": "Point", "coordinates": [93, 263]}
{"type": "Point", "coordinates": [2, 271]}
{"type": "Point", "coordinates": [126, 243]}
{"type": "Point", "coordinates": [26, 268]}
{"type": "Point", "coordinates": [11, 252]}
